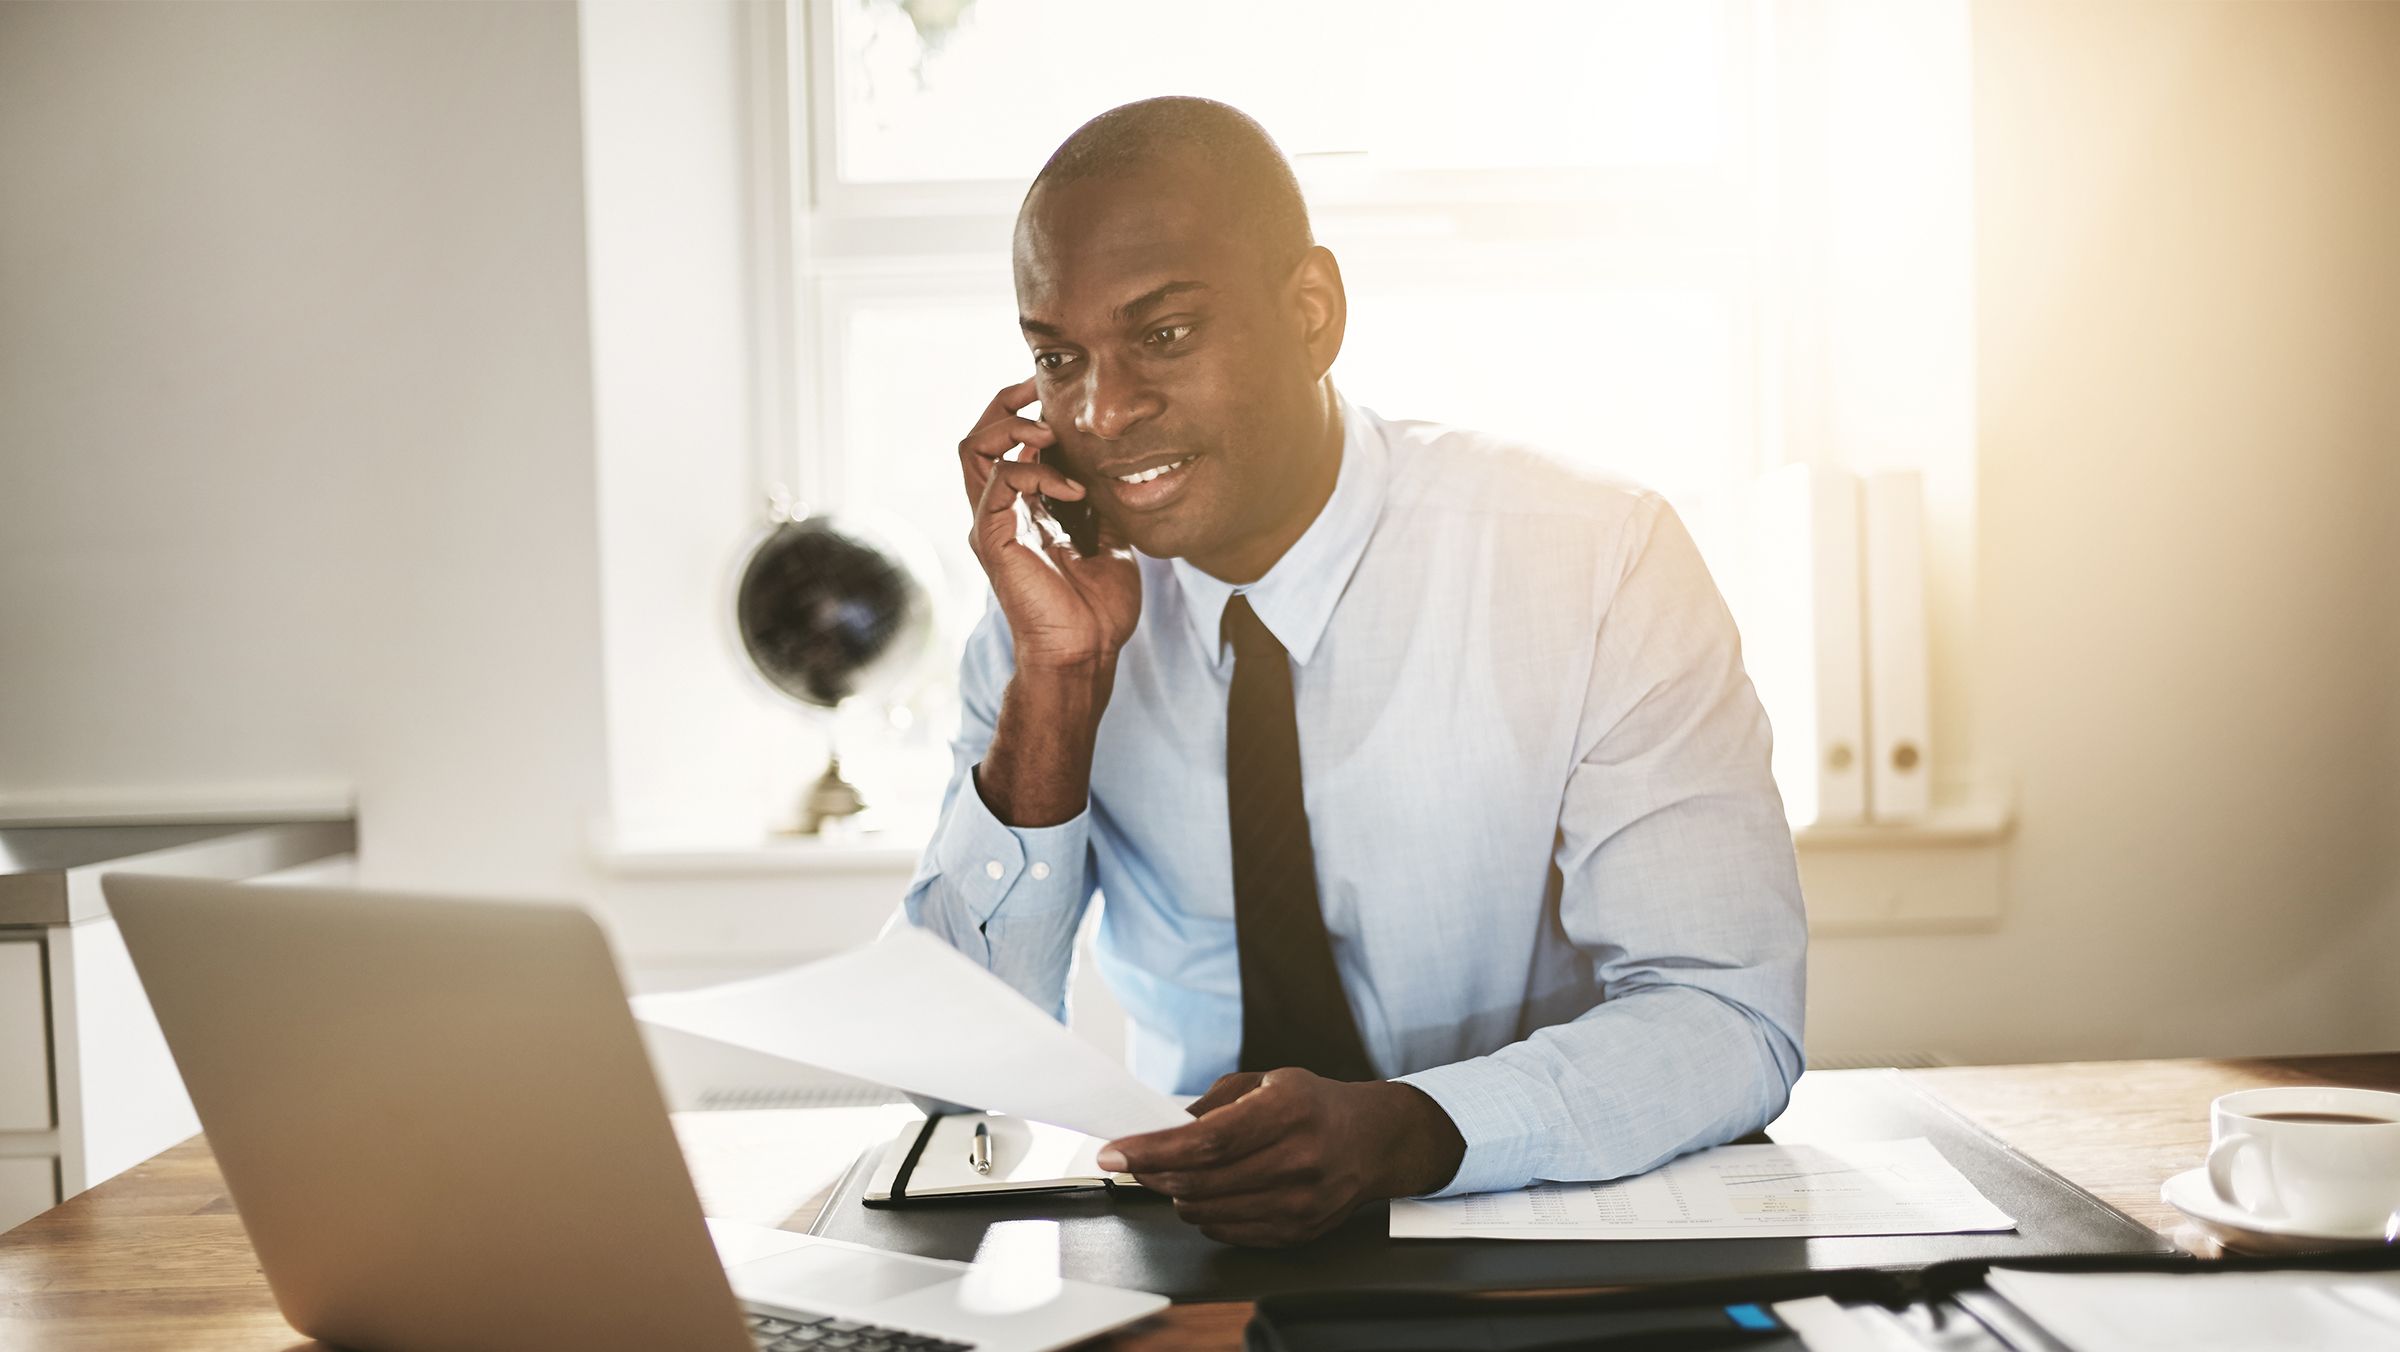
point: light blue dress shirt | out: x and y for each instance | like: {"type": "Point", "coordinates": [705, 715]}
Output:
{"type": "Point", "coordinates": [1555, 871]}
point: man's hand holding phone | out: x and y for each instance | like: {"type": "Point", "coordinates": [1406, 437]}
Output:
{"type": "Point", "coordinates": [1070, 613]}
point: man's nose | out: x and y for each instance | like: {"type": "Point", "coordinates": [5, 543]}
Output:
{"type": "Point", "coordinates": [1115, 400]}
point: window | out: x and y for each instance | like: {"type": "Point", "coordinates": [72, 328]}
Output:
{"type": "Point", "coordinates": [1679, 241]}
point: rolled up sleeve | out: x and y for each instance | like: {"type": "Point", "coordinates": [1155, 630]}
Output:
{"type": "Point", "coordinates": [1009, 897]}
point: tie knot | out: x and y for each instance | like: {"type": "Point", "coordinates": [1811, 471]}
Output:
{"type": "Point", "coordinates": [1246, 632]}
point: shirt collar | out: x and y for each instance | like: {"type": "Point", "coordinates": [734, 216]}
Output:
{"type": "Point", "coordinates": [1295, 599]}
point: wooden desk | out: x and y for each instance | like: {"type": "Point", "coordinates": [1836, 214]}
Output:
{"type": "Point", "coordinates": [155, 1258]}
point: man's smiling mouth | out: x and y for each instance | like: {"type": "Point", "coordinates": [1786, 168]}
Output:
{"type": "Point", "coordinates": [1154, 472]}
{"type": "Point", "coordinates": [1144, 488]}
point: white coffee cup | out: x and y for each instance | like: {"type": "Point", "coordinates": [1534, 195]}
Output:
{"type": "Point", "coordinates": [2302, 1157]}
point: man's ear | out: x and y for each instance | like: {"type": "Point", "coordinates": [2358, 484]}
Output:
{"type": "Point", "coordinates": [1322, 307]}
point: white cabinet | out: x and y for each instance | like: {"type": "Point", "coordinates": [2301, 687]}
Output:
{"type": "Point", "coordinates": [28, 1150]}
{"type": "Point", "coordinates": [28, 1187]}
{"type": "Point", "coordinates": [76, 1032]}
{"type": "Point", "coordinates": [24, 1037]}
{"type": "Point", "coordinates": [120, 1098]}
{"type": "Point", "coordinates": [87, 1087]}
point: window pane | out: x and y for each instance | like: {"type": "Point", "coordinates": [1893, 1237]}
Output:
{"type": "Point", "coordinates": [906, 376]}
{"type": "Point", "coordinates": [910, 375]}
{"type": "Point", "coordinates": [983, 89]}
{"type": "Point", "coordinates": [1643, 382]}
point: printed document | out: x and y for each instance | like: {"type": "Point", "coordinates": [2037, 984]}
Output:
{"type": "Point", "coordinates": [1734, 1191]}
{"type": "Point", "coordinates": [912, 1012]}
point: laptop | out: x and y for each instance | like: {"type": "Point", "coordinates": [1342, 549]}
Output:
{"type": "Point", "coordinates": [441, 1130]}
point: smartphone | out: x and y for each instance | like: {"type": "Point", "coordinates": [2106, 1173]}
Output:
{"type": "Point", "coordinates": [1078, 520]}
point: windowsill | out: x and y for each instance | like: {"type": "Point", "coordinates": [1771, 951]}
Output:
{"type": "Point", "coordinates": [893, 852]}
{"type": "Point", "coordinates": [1986, 820]}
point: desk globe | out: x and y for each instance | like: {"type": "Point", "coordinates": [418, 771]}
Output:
{"type": "Point", "coordinates": [830, 610]}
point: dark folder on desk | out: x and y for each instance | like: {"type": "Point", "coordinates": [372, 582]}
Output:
{"type": "Point", "coordinates": [1132, 1239]}
{"type": "Point", "coordinates": [1948, 1305]}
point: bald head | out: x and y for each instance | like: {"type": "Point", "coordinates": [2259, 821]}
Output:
{"type": "Point", "coordinates": [1247, 178]}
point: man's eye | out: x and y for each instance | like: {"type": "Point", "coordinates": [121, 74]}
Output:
{"type": "Point", "coordinates": [1050, 362]}
{"type": "Point", "coordinates": [1169, 335]}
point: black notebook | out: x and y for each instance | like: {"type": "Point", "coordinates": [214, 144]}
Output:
{"type": "Point", "coordinates": [953, 1157]}
{"type": "Point", "coordinates": [1133, 1239]}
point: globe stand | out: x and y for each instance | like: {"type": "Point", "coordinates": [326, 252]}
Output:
{"type": "Point", "coordinates": [831, 799]}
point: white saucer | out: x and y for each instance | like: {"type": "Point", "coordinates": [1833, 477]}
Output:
{"type": "Point", "coordinates": [2189, 1193]}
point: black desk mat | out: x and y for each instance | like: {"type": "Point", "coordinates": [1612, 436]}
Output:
{"type": "Point", "coordinates": [1133, 1239]}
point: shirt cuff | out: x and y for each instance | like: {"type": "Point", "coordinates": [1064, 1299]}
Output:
{"type": "Point", "coordinates": [1498, 1113]}
{"type": "Point", "coordinates": [988, 862]}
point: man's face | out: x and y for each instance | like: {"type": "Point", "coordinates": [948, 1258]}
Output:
{"type": "Point", "coordinates": [1170, 361]}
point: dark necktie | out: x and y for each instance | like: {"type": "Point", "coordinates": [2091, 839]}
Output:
{"type": "Point", "coordinates": [1293, 1010]}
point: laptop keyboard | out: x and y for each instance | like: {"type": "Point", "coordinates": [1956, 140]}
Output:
{"type": "Point", "coordinates": [793, 1332]}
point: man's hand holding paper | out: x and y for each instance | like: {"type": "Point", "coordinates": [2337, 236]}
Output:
{"type": "Point", "coordinates": [1285, 1156]}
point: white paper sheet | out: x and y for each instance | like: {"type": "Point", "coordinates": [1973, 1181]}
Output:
{"type": "Point", "coordinates": [2210, 1312]}
{"type": "Point", "coordinates": [1747, 1191]}
{"type": "Point", "coordinates": [912, 1012]}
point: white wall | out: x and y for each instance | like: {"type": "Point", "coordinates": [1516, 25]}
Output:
{"type": "Point", "coordinates": [2189, 382]}
{"type": "Point", "coordinates": [296, 481]}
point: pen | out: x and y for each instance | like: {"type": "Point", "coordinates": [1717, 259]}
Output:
{"type": "Point", "coordinates": [981, 1155]}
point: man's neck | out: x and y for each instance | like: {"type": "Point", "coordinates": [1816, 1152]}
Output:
{"type": "Point", "coordinates": [1249, 560]}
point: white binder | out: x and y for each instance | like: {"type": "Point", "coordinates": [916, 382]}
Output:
{"type": "Point", "coordinates": [1801, 638]}
{"type": "Point", "coordinates": [1899, 716]}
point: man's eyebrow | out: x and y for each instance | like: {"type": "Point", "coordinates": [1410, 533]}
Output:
{"type": "Point", "coordinates": [1154, 295]}
{"type": "Point", "coordinates": [1129, 309]}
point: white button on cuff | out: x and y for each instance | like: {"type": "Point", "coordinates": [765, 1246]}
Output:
{"type": "Point", "coordinates": [1040, 871]}
{"type": "Point", "coordinates": [993, 869]}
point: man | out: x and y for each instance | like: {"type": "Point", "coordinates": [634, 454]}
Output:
{"type": "Point", "coordinates": [1420, 774]}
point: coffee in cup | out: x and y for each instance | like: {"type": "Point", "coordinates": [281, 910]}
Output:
{"type": "Point", "coordinates": [2321, 1159]}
